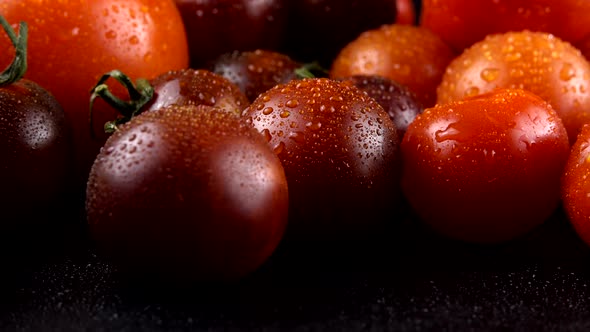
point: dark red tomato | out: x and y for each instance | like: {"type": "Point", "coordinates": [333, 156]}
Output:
{"type": "Point", "coordinates": [339, 149]}
{"type": "Point", "coordinates": [485, 169]}
{"type": "Point", "coordinates": [410, 55]}
{"type": "Point", "coordinates": [462, 23]}
{"type": "Point", "coordinates": [255, 71]}
{"type": "Point", "coordinates": [36, 150]}
{"type": "Point", "coordinates": [187, 193]}
{"type": "Point", "coordinates": [72, 43]}
{"type": "Point", "coordinates": [215, 27]}
{"type": "Point", "coordinates": [539, 62]}
{"type": "Point", "coordinates": [318, 29]}
{"type": "Point", "coordinates": [575, 187]}
{"type": "Point", "coordinates": [180, 87]}
{"type": "Point", "coordinates": [396, 99]}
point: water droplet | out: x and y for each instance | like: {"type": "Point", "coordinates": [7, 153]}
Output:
{"type": "Point", "coordinates": [267, 110]}
{"type": "Point", "coordinates": [567, 72]}
{"type": "Point", "coordinates": [313, 125]}
{"type": "Point", "coordinates": [292, 103]}
{"type": "Point", "coordinates": [279, 148]}
{"type": "Point", "coordinates": [297, 137]}
{"type": "Point", "coordinates": [285, 114]}
{"type": "Point", "coordinates": [472, 91]}
{"type": "Point", "coordinates": [266, 134]}
{"type": "Point", "coordinates": [490, 74]}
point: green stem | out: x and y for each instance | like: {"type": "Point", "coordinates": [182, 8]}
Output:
{"type": "Point", "coordinates": [140, 94]}
{"type": "Point", "coordinates": [311, 70]}
{"type": "Point", "coordinates": [16, 70]}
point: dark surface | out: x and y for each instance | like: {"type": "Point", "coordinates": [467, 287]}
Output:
{"type": "Point", "coordinates": [413, 281]}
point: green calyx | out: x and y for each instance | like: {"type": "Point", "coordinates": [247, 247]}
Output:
{"type": "Point", "coordinates": [140, 94]}
{"type": "Point", "coordinates": [16, 70]}
{"type": "Point", "coordinates": [311, 70]}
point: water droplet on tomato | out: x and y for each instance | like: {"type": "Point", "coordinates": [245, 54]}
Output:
{"type": "Point", "coordinates": [567, 72]}
{"type": "Point", "coordinates": [490, 74]}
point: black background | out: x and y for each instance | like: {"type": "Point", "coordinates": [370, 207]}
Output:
{"type": "Point", "coordinates": [409, 279]}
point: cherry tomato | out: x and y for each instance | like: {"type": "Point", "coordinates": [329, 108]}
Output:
{"type": "Point", "coordinates": [186, 194]}
{"type": "Point", "coordinates": [539, 62]}
{"type": "Point", "coordinates": [575, 187]}
{"type": "Point", "coordinates": [462, 23]}
{"type": "Point", "coordinates": [36, 151]}
{"type": "Point", "coordinates": [339, 149]}
{"type": "Point", "coordinates": [486, 169]}
{"type": "Point", "coordinates": [406, 12]}
{"type": "Point", "coordinates": [410, 55]}
{"type": "Point", "coordinates": [255, 71]}
{"type": "Point", "coordinates": [397, 100]}
{"type": "Point", "coordinates": [215, 27]}
{"type": "Point", "coordinates": [72, 43]}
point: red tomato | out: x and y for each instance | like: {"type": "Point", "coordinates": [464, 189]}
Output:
{"type": "Point", "coordinates": [576, 185]}
{"type": "Point", "coordinates": [485, 169]}
{"type": "Point", "coordinates": [463, 22]}
{"type": "Point", "coordinates": [406, 12]}
{"type": "Point", "coordinates": [72, 43]}
{"type": "Point", "coordinates": [535, 61]}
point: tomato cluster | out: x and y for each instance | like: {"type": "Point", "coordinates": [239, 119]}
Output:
{"type": "Point", "coordinates": [235, 128]}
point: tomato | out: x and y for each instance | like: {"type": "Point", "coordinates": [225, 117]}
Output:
{"type": "Point", "coordinates": [406, 12]}
{"type": "Point", "coordinates": [410, 55]}
{"type": "Point", "coordinates": [539, 62]}
{"type": "Point", "coordinates": [180, 87]}
{"type": "Point", "coordinates": [462, 23]}
{"type": "Point", "coordinates": [36, 151]}
{"type": "Point", "coordinates": [576, 185]}
{"type": "Point", "coordinates": [397, 100]}
{"type": "Point", "coordinates": [486, 169]}
{"type": "Point", "coordinates": [72, 43]}
{"type": "Point", "coordinates": [215, 27]}
{"type": "Point", "coordinates": [340, 152]}
{"type": "Point", "coordinates": [186, 194]}
{"type": "Point", "coordinates": [255, 71]}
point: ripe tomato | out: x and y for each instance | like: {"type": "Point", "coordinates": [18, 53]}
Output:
{"type": "Point", "coordinates": [576, 185]}
{"type": "Point", "coordinates": [187, 193]}
{"type": "Point", "coordinates": [340, 152]}
{"type": "Point", "coordinates": [539, 62]}
{"type": "Point", "coordinates": [72, 43]}
{"type": "Point", "coordinates": [406, 12]}
{"type": "Point", "coordinates": [36, 156]}
{"type": "Point", "coordinates": [485, 169]}
{"type": "Point", "coordinates": [410, 55]}
{"type": "Point", "coordinates": [462, 23]}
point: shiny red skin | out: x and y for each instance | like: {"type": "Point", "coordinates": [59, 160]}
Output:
{"type": "Point", "coordinates": [187, 194]}
{"type": "Point", "coordinates": [461, 23]}
{"type": "Point", "coordinates": [36, 150]}
{"type": "Point", "coordinates": [406, 12]}
{"type": "Point", "coordinates": [486, 169]}
{"type": "Point", "coordinates": [397, 100]}
{"type": "Point", "coordinates": [72, 44]}
{"type": "Point", "coordinates": [215, 27]}
{"type": "Point", "coordinates": [576, 185]}
{"type": "Point", "coordinates": [340, 152]}
{"type": "Point", "coordinates": [256, 71]}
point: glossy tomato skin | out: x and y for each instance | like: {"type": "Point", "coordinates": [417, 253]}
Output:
{"type": "Point", "coordinates": [196, 87]}
{"type": "Point", "coordinates": [215, 27]}
{"type": "Point", "coordinates": [73, 43]}
{"type": "Point", "coordinates": [187, 194]}
{"type": "Point", "coordinates": [36, 165]}
{"type": "Point", "coordinates": [340, 152]}
{"type": "Point", "coordinates": [318, 29]}
{"type": "Point", "coordinates": [576, 185]}
{"type": "Point", "coordinates": [410, 55]}
{"type": "Point", "coordinates": [397, 100]}
{"type": "Point", "coordinates": [256, 71]}
{"type": "Point", "coordinates": [539, 62]}
{"type": "Point", "coordinates": [461, 23]}
{"type": "Point", "coordinates": [406, 12]}
{"type": "Point", "coordinates": [486, 169]}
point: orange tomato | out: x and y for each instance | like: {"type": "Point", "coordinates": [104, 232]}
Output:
{"type": "Point", "coordinates": [72, 43]}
